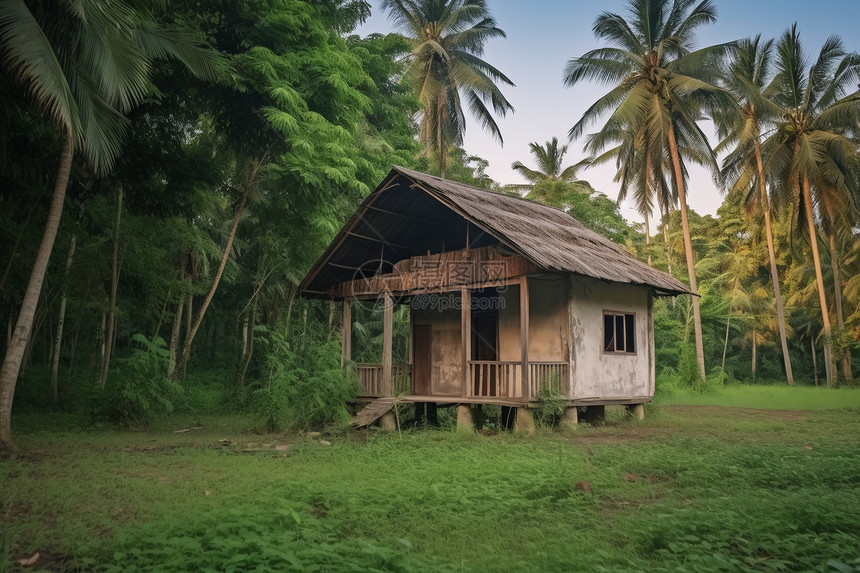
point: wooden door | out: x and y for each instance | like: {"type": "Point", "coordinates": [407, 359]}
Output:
{"type": "Point", "coordinates": [422, 348]}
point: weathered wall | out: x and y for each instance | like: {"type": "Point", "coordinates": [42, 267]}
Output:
{"type": "Point", "coordinates": [442, 312]}
{"type": "Point", "coordinates": [598, 374]}
{"type": "Point", "coordinates": [547, 321]}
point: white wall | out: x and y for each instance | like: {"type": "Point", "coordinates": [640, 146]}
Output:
{"type": "Point", "coordinates": [605, 375]}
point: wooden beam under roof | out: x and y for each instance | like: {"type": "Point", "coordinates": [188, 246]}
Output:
{"type": "Point", "coordinates": [376, 240]}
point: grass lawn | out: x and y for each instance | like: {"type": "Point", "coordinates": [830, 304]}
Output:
{"type": "Point", "coordinates": [690, 488]}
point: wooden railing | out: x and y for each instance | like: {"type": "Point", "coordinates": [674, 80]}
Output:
{"type": "Point", "coordinates": [546, 376]}
{"type": "Point", "coordinates": [493, 378]}
{"type": "Point", "coordinates": [370, 376]}
{"type": "Point", "coordinates": [503, 379]}
{"type": "Point", "coordinates": [488, 378]}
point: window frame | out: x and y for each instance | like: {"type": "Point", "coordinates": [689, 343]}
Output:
{"type": "Point", "coordinates": [623, 315]}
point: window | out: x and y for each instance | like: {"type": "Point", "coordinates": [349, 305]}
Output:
{"type": "Point", "coordinates": [619, 332]}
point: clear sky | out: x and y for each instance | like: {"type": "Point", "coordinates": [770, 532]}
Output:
{"type": "Point", "coordinates": [542, 35]}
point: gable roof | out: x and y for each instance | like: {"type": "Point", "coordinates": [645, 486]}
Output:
{"type": "Point", "coordinates": [412, 213]}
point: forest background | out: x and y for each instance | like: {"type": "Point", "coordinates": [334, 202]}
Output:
{"type": "Point", "coordinates": [213, 150]}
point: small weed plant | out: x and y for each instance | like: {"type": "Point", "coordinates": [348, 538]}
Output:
{"type": "Point", "coordinates": [550, 403]}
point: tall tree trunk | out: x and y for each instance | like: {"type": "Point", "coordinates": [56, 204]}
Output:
{"type": "Point", "coordinates": [829, 367]}
{"type": "Point", "coordinates": [72, 349]}
{"type": "Point", "coordinates": [774, 274]}
{"type": "Point", "coordinates": [182, 362]}
{"type": "Point", "coordinates": [647, 237]}
{"type": "Point", "coordinates": [814, 359]}
{"type": "Point", "coordinates": [754, 361]}
{"type": "Point", "coordinates": [668, 246]}
{"type": "Point", "coordinates": [688, 249]}
{"type": "Point", "coordinates": [24, 325]}
{"type": "Point", "coordinates": [114, 280]}
{"type": "Point", "coordinates": [189, 313]}
{"type": "Point", "coordinates": [14, 250]}
{"type": "Point", "coordinates": [174, 336]}
{"type": "Point", "coordinates": [157, 330]}
{"type": "Point", "coordinates": [837, 301]}
{"type": "Point", "coordinates": [725, 347]}
{"type": "Point", "coordinates": [648, 188]}
{"type": "Point", "coordinates": [101, 342]}
{"type": "Point", "coordinates": [58, 342]}
{"type": "Point", "coordinates": [250, 354]}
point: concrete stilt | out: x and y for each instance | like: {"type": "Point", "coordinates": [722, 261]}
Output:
{"type": "Point", "coordinates": [525, 421]}
{"type": "Point", "coordinates": [388, 421]}
{"type": "Point", "coordinates": [636, 410]}
{"type": "Point", "coordinates": [570, 418]}
{"type": "Point", "coordinates": [465, 421]}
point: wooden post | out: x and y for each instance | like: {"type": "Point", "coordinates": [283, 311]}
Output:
{"type": "Point", "coordinates": [524, 333]}
{"type": "Point", "coordinates": [387, 332]}
{"type": "Point", "coordinates": [346, 333]}
{"type": "Point", "coordinates": [649, 333]}
{"type": "Point", "coordinates": [571, 340]}
{"type": "Point", "coordinates": [466, 336]}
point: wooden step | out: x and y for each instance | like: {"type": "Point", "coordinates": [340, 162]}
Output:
{"type": "Point", "coordinates": [372, 412]}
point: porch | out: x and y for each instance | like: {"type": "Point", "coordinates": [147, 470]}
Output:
{"type": "Point", "coordinates": [490, 381]}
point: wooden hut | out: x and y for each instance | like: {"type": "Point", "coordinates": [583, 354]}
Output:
{"type": "Point", "coordinates": [507, 297]}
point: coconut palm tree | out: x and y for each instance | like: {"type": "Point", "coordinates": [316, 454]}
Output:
{"type": "Point", "coordinates": [746, 76]}
{"type": "Point", "coordinates": [811, 151]}
{"type": "Point", "coordinates": [446, 69]}
{"type": "Point", "coordinates": [549, 158]}
{"type": "Point", "coordinates": [85, 66]}
{"type": "Point", "coordinates": [659, 86]}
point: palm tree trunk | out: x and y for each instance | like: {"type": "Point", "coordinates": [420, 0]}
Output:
{"type": "Point", "coordinates": [688, 249]}
{"type": "Point", "coordinates": [114, 279]}
{"type": "Point", "coordinates": [647, 237]}
{"type": "Point", "coordinates": [174, 336]}
{"type": "Point", "coordinates": [819, 278]}
{"type": "Point", "coordinates": [774, 274]}
{"type": "Point", "coordinates": [814, 359]}
{"type": "Point", "coordinates": [14, 250]}
{"type": "Point", "coordinates": [58, 341]}
{"type": "Point", "coordinates": [837, 301]}
{"type": "Point", "coordinates": [725, 347]}
{"type": "Point", "coordinates": [753, 355]}
{"type": "Point", "coordinates": [182, 362]}
{"type": "Point", "coordinates": [24, 325]}
{"type": "Point", "coordinates": [668, 248]}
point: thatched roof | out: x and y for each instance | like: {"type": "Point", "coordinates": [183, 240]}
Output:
{"type": "Point", "coordinates": [413, 213]}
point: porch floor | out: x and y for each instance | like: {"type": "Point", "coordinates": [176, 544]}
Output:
{"type": "Point", "coordinates": [503, 401]}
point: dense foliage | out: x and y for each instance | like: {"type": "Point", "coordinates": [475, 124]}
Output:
{"type": "Point", "coordinates": [243, 146]}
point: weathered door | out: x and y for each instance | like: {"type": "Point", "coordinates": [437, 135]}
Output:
{"type": "Point", "coordinates": [422, 347]}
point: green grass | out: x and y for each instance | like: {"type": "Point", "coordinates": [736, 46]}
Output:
{"type": "Point", "coordinates": [769, 397]}
{"type": "Point", "coordinates": [687, 489]}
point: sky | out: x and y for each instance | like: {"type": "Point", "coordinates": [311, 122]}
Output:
{"type": "Point", "coordinates": [542, 35]}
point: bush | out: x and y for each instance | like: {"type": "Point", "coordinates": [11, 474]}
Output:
{"type": "Point", "coordinates": [139, 388]}
{"type": "Point", "coordinates": [550, 403]}
{"type": "Point", "coordinates": [303, 388]}
{"type": "Point", "coordinates": [687, 376]}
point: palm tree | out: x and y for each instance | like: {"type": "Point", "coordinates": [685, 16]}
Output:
{"type": "Point", "coordinates": [549, 158]}
{"type": "Point", "coordinates": [446, 69]}
{"type": "Point", "coordinates": [659, 87]}
{"type": "Point", "coordinates": [746, 76]}
{"type": "Point", "coordinates": [84, 66]}
{"type": "Point", "coordinates": [812, 148]}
